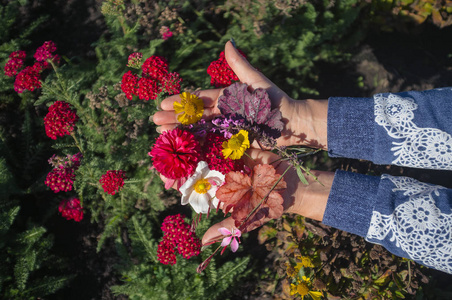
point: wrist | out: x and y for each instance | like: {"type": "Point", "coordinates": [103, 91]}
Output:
{"type": "Point", "coordinates": [310, 200]}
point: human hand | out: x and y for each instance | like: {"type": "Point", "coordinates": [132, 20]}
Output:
{"type": "Point", "coordinates": [306, 200]}
{"type": "Point", "coordinates": [304, 121]}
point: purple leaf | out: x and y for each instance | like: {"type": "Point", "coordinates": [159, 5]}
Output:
{"type": "Point", "coordinates": [253, 107]}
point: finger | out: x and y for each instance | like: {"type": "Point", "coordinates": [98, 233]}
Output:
{"type": "Point", "coordinates": [169, 117]}
{"type": "Point", "coordinates": [209, 98]}
{"type": "Point", "coordinates": [212, 233]}
{"type": "Point", "coordinates": [249, 75]}
{"type": "Point", "coordinates": [243, 69]}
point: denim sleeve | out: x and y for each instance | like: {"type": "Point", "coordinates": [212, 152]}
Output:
{"type": "Point", "coordinates": [411, 219]}
{"type": "Point", "coordinates": [411, 129]}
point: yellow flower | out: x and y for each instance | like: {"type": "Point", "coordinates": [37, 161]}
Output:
{"type": "Point", "coordinates": [306, 262]}
{"type": "Point", "coordinates": [302, 288]}
{"type": "Point", "coordinates": [236, 145]}
{"type": "Point", "coordinates": [191, 107]}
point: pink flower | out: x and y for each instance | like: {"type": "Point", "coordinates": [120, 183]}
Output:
{"type": "Point", "coordinates": [18, 54]}
{"type": "Point", "coordinates": [27, 79]}
{"type": "Point", "coordinates": [165, 32]}
{"type": "Point", "coordinates": [134, 60]}
{"type": "Point", "coordinates": [148, 89]}
{"type": "Point", "coordinates": [71, 209]}
{"type": "Point", "coordinates": [45, 51]}
{"type": "Point", "coordinates": [175, 153]}
{"type": "Point", "coordinates": [221, 73]}
{"type": "Point", "coordinates": [155, 67]}
{"type": "Point", "coordinates": [60, 120]}
{"type": "Point", "coordinates": [232, 238]}
{"type": "Point", "coordinates": [171, 83]}
{"type": "Point", "coordinates": [112, 181]}
{"type": "Point", "coordinates": [129, 84]}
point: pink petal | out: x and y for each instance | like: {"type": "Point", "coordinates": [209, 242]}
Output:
{"type": "Point", "coordinates": [234, 245]}
{"type": "Point", "coordinates": [224, 231]}
{"type": "Point", "coordinates": [237, 233]}
{"type": "Point", "coordinates": [226, 241]}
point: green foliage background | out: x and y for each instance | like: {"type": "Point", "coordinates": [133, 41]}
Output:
{"type": "Point", "coordinates": [286, 40]}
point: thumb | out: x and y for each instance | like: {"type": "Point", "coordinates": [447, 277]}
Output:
{"type": "Point", "coordinates": [212, 234]}
{"type": "Point", "coordinates": [249, 75]}
{"type": "Point", "coordinates": [243, 69]}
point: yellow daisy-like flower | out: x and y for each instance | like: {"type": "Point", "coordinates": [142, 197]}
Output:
{"type": "Point", "coordinates": [306, 262]}
{"type": "Point", "coordinates": [191, 107]}
{"type": "Point", "coordinates": [302, 288]}
{"type": "Point", "coordinates": [236, 145]}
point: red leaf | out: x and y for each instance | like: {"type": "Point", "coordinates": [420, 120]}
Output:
{"type": "Point", "coordinates": [243, 194]}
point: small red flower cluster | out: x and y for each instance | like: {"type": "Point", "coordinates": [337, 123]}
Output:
{"type": "Point", "coordinates": [212, 154]}
{"type": "Point", "coordinates": [61, 178]}
{"type": "Point", "coordinates": [15, 62]}
{"type": "Point", "coordinates": [29, 78]}
{"type": "Point", "coordinates": [71, 209]}
{"type": "Point", "coordinates": [60, 120]}
{"type": "Point", "coordinates": [177, 233]}
{"type": "Point", "coordinates": [155, 78]}
{"type": "Point", "coordinates": [44, 52]}
{"type": "Point", "coordinates": [112, 181]}
{"type": "Point", "coordinates": [221, 73]}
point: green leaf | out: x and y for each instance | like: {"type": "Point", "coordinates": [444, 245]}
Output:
{"type": "Point", "coordinates": [301, 175]}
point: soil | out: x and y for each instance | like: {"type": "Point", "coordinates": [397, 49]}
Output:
{"type": "Point", "coordinates": [384, 62]}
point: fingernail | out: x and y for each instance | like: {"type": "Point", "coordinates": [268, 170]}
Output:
{"type": "Point", "coordinates": [151, 118]}
{"type": "Point", "coordinates": [158, 129]}
{"type": "Point", "coordinates": [233, 43]}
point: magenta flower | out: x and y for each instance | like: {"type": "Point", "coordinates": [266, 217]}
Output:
{"type": "Point", "coordinates": [232, 238]}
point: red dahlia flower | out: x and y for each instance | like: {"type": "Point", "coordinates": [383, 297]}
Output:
{"type": "Point", "coordinates": [60, 120]}
{"type": "Point", "coordinates": [112, 181]}
{"type": "Point", "coordinates": [71, 209]}
{"type": "Point", "coordinates": [175, 153]}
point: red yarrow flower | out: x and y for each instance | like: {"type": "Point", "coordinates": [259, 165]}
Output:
{"type": "Point", "coordinates": [165, 253]}
{"type": "Point", "coordinates": [112, 181]}
{"type": "Point", "coordinates": [12, 66]}
{"type": "Point", "coordinates": [61, 178]}
{"type": "Point", "coordinates": [155, 67]}
{"type": "Point", "coordinates": [18, 54]}
{"type": "Point", "coordinates": [60, 120]}
{"type": "Point", "coordinates": [129, 84]}
{"type": "Point", "coordinates": [171, 83]}
{"type": "Point", "coordinates": [148, 89]}
{"type": "Point", "coordinates": [221, 73]}
{"type": "Point", "coordinates": [177, 233]}
{"type": "Point", "coordinates": [71, 209]}
{"type": "Point", "coordinates": [44, 52]}
{"type": "Point", "coordinates": [175, 153]}
{"type": "Point", "coordinates": [27, 79]}
{"type": "Point", "coordinates": [165, 32]}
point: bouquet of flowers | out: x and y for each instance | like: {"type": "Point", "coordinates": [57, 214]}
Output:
{"type": "Point", "coordinates": [206, 160]}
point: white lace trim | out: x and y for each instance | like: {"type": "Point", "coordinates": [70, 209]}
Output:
{"type": "Point", "coordinates": [417, 226]}
{"type": "Point", "coordinates": [419, 147]}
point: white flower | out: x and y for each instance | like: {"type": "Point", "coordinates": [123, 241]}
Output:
{"type": "Point", "coordinates": [199, 190]}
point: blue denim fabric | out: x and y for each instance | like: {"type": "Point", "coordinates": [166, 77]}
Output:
{"type": "Point", "coordinates": [353, 132]}
{"type": "Point", "coordinates": [351, 202]}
